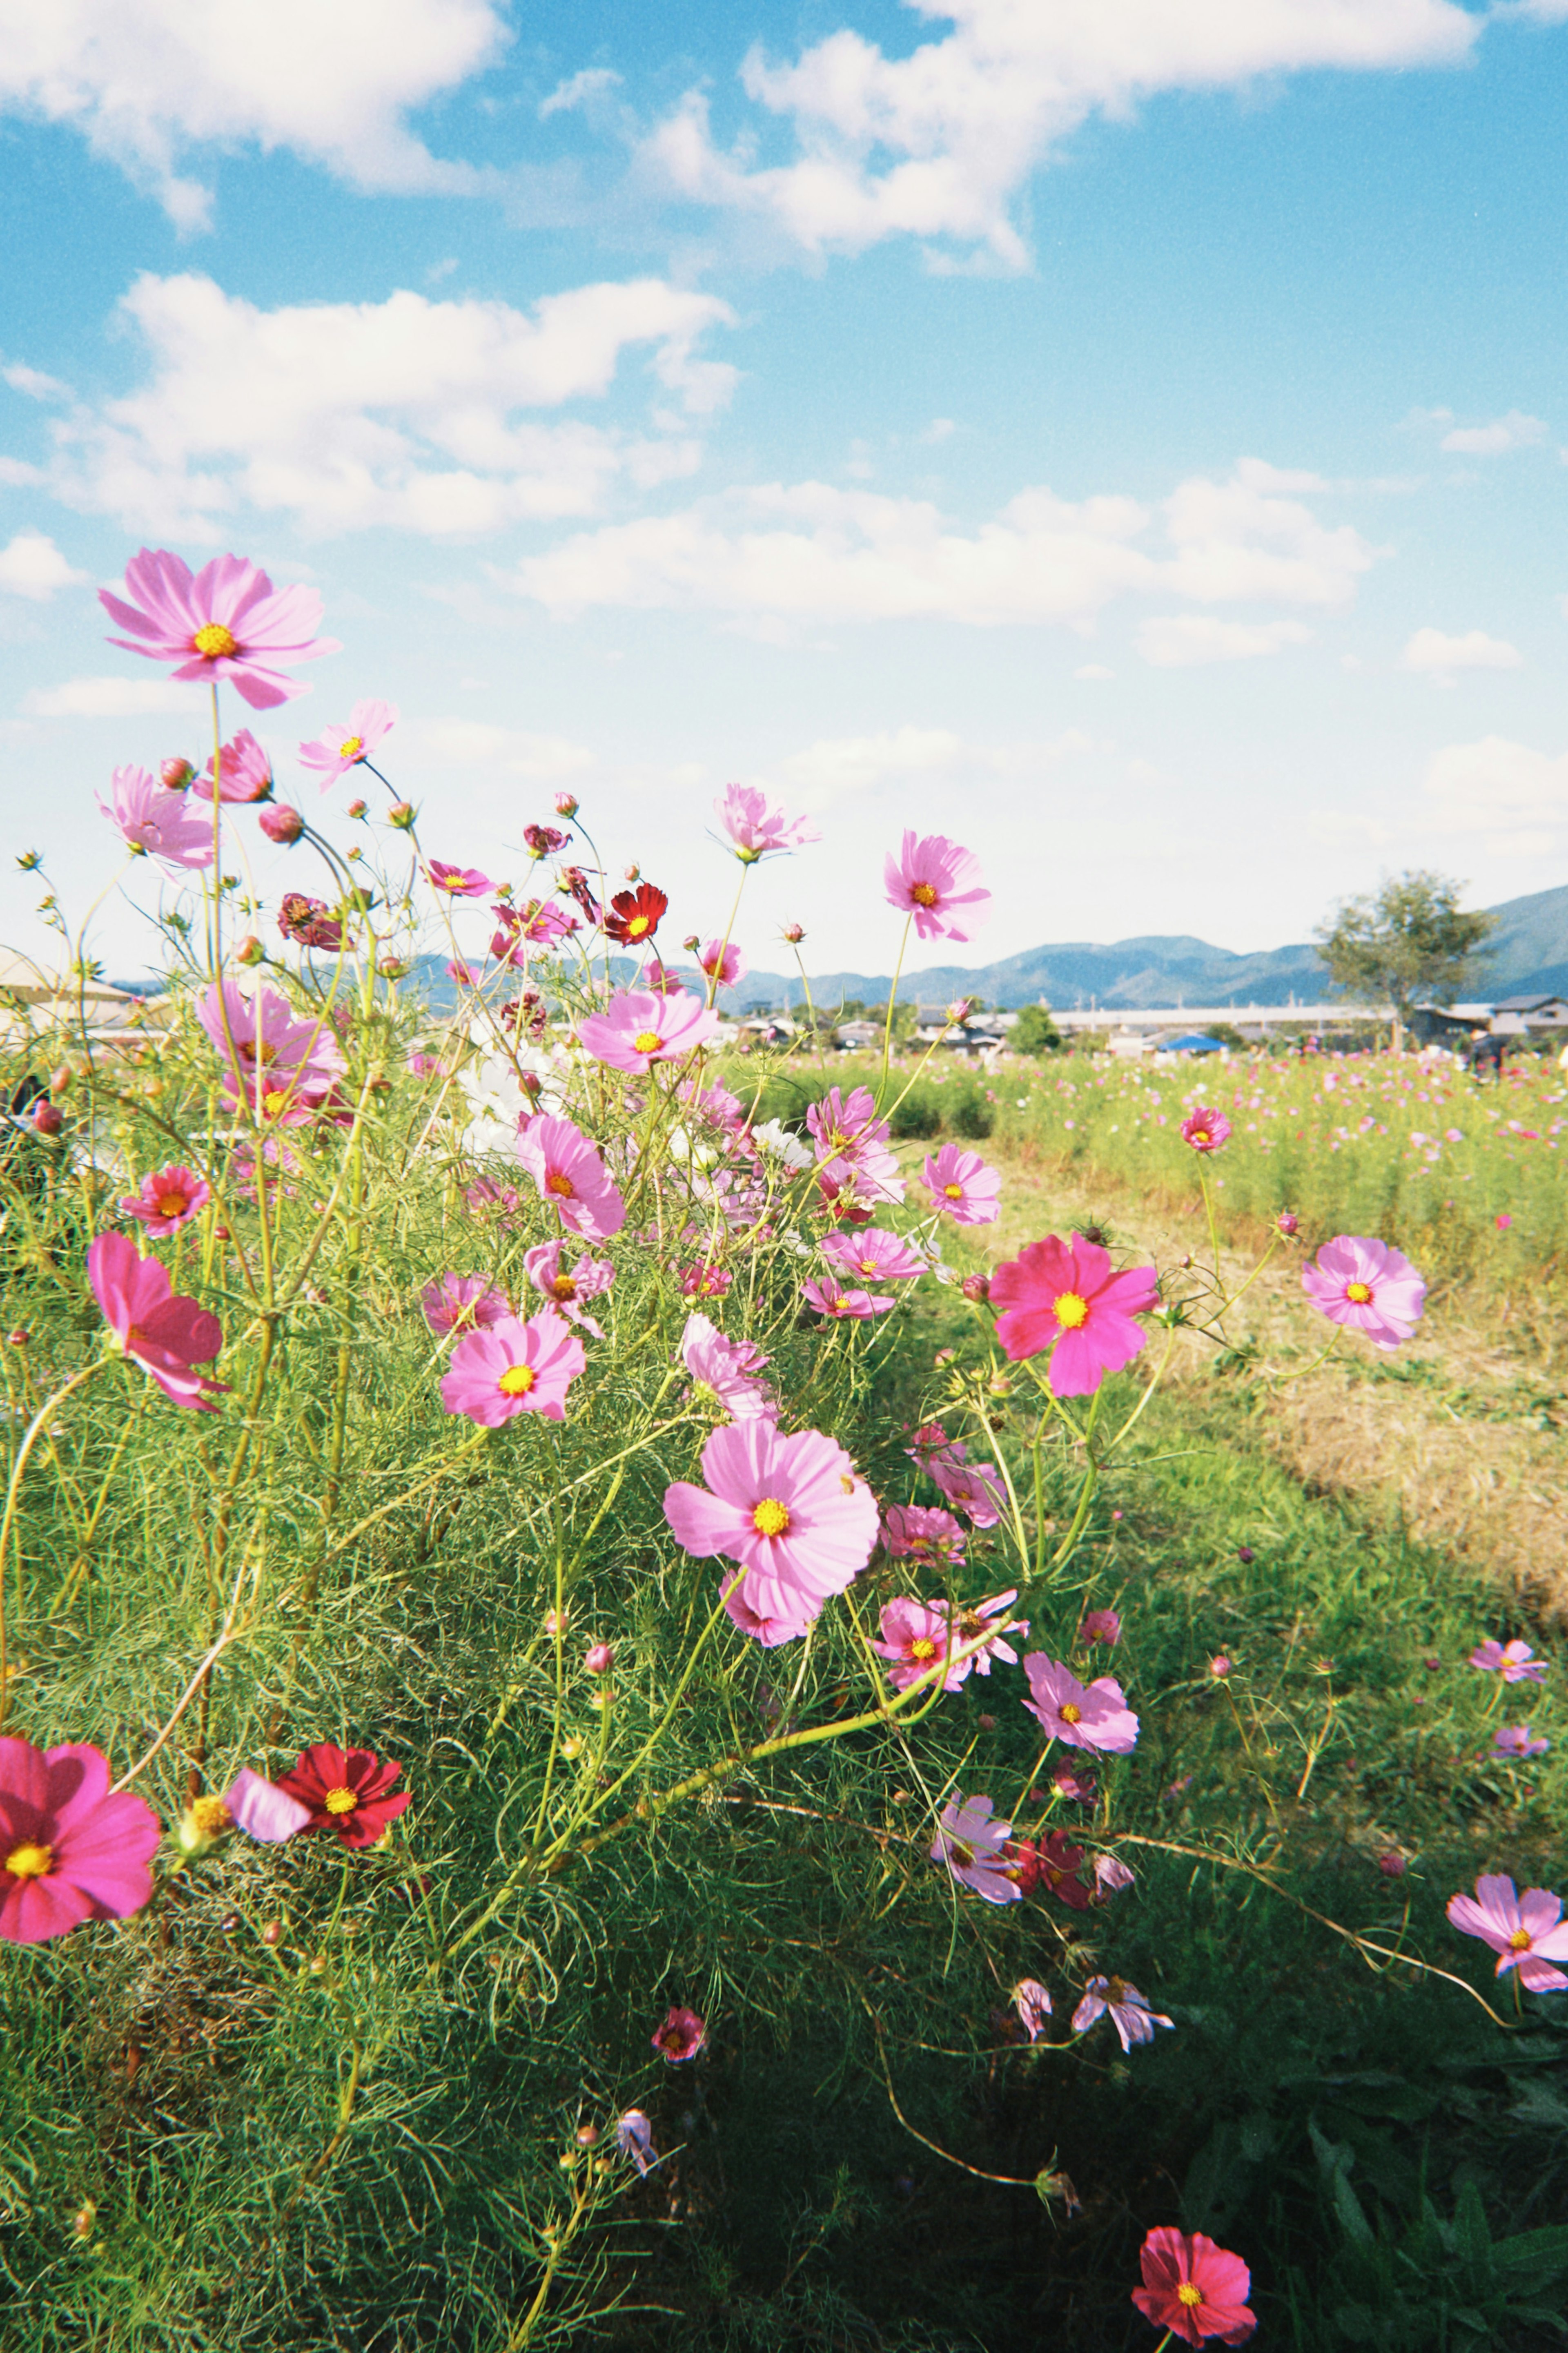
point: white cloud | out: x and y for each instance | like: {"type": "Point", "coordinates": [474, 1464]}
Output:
{"type": "Point", "coordinates": [1514, 431]}
{"type": "Point", "coordinates": [583, 90]}
{"type": "Point", "coordinates": [1094, 671]}
{"type": "Point", "coordinates": [833, 765]}
{"type": "Point", "coordinates": [403, 413]}
{"type": "Point", "coordinates": [1182, 642]}
{"type": "Point", "coordinates": [111, 698]}
{"type": "Point", "coordinates": [32, 566]}
{"type": "Point", "coordinates": [146, 81]}
{"type": "Point", "coordinates": [33, 384]}
{"type": "Point", "coordinates": [1438, 655]}
{"type": "Point", "coordinates": [1514, 795]}
{"type": "Point", "coordinates": [473, 743]}
{"type": "Point", "coordinates": [1340, 830]}
{"type": "Point", "coordinates": [1248, 538]}
{"type": "Point", "coordinates": [937, 144]}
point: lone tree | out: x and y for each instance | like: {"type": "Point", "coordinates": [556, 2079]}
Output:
{"type": "Point", "coordinates": [1034, 1032]}
{"type": "Point", "coordinates": [1410, 941]}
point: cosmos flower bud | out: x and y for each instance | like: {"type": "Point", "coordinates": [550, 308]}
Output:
{"type": "Point", "coordinates": [175, 774]}
{"type": "Point", "coordinates": [83, 2220]}
{"type": "Point", "coordinates": [600, 1658]}
{"type": "Point", "coordinates": [393, 968]}
{"type": "Point", "coordinates": [357, 809]}
{"type": "Point", "coordinates": [20, 1338]}
{"type": "Point", "coordinates": [282, 824]}
{"type": "Point", "coordinates": [691, 943]}
{"type": "Point", "coordinates": [566, 804]}
{"type": "Point", "coordinates": [794, 934]}
{"type": "Point", "coordinates": [1287, 1222]}
{"type": "Point", "coordinates": [977, 1289]}
{"type": "Point", "coordinates": [401, 814]}
{"type": "Point", "coordinates": [249, 950]}
{"type": "Point", "coordinates": [48, 1120]}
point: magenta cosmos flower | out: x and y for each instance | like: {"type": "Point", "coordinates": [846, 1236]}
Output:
{"type": "Point", "coordinates": [1205, 1130]}
{"type": "Point", "coordinates": [587, 1280]}
{"type": "Point", "coordinates": [156, 822]}
{"type": "Point", "coordinates": [1063, 1296]}
{"type": "Point", "coordinates": [514, 1367]}
{"type": "Point", "coordinates": [972, 1488]}
{"type": "Point", "coordinates": [347, 1791]}
{"type": "Point", "coordinates": [464, 1302]}
{"type": "Point", "coordinates": [539, 924]}
{"type": "Point", "coordinates": [972, 1846]}
{"type": "Point", "coordinates": [914, 1640]}
{"type": "Point", "coordinates": [1527, 1931]}
{"type": "Point", "coordinates": [973, 1631]}
{"type": "Point", "coordinates": [169, 1198]}
{"type": "Point", "coordinates": [228, 621]}
{"type": "Point", "coordinates": [1084, 1716]}
{"type": "Point", "coordinates": [722, 961]}
{"type": "Point", "coordinates": [681, 2036]}
{"type": "Point", "coordinates": [571, 1177]}
{"type": "Point", "coordinates": [757, 826]}
{"type": "Point", "coordinates": [929, 878]}
{"type": "Point", "coordinates": [724, 1372]}
{"type": "Point", "coordinates": [457, 881]}
{"type": "Point", "coordinates": [855, 1167]}
{"type": "Point", "coordinates": [873, 1255]}
{"type": "Point", "coordinates": [1368, 1286]}
{"type": "Point", "coordinates": [831, 1299]}
{"type": "Point", "coordinates": [338, 749]}
{"type": "Point", "coordinates": [915, 1532]}
{"type": "Point", "coordinates": [1130, 2012]}
{"type": "Point", "coordinates": [793, 1511]}
{"type": "Point", "coordinates": [244, 772]}
{"type": "Point", "coordinates": [962, 1187]}
{"type": "Point", "coordinates": [639, 1029]}
{"type": "Point", "coordinates": [1516, 1661]}
{"type": "Point", "coordinates": [1193, 2288]}
{"type": "Point", "coordinates": [68, 1851]}
{"type": "Point", "coordinates": [1100, 1626]}
{"type": "Point", "coordinates": [1516, 1740]}
{"type": "Point", "coordinates": [166, 1335]}
{"type": "Point", "coordinates": [269, 1049]}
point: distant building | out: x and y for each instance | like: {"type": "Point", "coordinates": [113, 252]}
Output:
{"type": "Point", "coordinates": [1517, 1016]}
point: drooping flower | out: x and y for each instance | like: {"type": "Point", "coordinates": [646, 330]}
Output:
{"type": "Point", "coordinates": [544, 840]}
{"type": "Point", "coordinates": [914, 1639]}
{"type": "Point", "coordinates": [169, 1198]}
{"type": "Point", "coordinates": [228, 621]}
{"type": "Point", "coordinates": [1058, 1865]}
{"type": "Point", "coordinates": [1100, 1626]}
{"type": "Point", "coordinates": [571, 1177]}
{"type": "Point", "coordinates": [722, 961]}
{"type": "Point", "coordinates": [757, 826]}
{"type": "Point", "coordinates": [679, 2037]}
{"type": "Point", "coordinates": [917, 1531]}
{"type": "Point", "coordinates": [463, 1303]}
{"type": "Point", "coordinates": [1516, 1661]}
{"type": "Point", "coordinates": [1130, 2012]}
{"type": "Point", "coordinates": [1368, 1286]}
{"type": "Point", "coordinates": [1516, 1740]}
{"type": "Point", "coordinates": [770, 1632]}
{"type": "Point", "coordinates": [1084, 1716]}
{"type": "Point", "coordinates": [1193, 2288]}
{"type": "Point", "coordinates": [309, 923]}
{"type": "Point", "coordinates": [244, 772]}
{"type": "Point", "coordinates": [167, 1335]}
{"type": "Point", "coordinates": [338, 749]}
{"type": "Point", "coordinates": [792, 1511]}
{"type": "Point", "coordinates": [971, 1488]}
{"type": "Point", "coordinates": [831, 1299]}
{"type": "Point", "coordinates": [1205, 1130]}
{"type": "Point", "coordinates": [514, 1367]}
{"type": "Point", "coordinates": [972, 1846]}
{"type": "Point", "coordinates": [633, 2138]}
{"type": "Point", "coordinates": [973, 1631]}
{"type": "Point", "coordinates": [1032, 2004]}
{"type": "Point", "coordinates": [962, 1187]}
{"type": "Point", "coordinates": [873, 1255]}
{"type": "Point", "coordinates": [68, 1850]}
{"type": "Point", "coordinates": [930, 878]}
{"type": "Point", "coordinates": [156, 822]}
{"type": "Point", "coordinates": [639, 1029]}
{"type": "Point", "coordinates": [1527, 1931]}
{"type": "Point", "coordinates": [262, 1810]}
{"type": "Point", "coordinates": [457, 881]}
{"type": "Point", "coordinates": [1063, 1296]}
{"type": "Point", "coordinates": [724, 1372]}
{"type": "Point", "coordinates": [634, 916]}
{"type": "Point", "coordinates": [346, 1790]}
{"type": "Point", "coordinates": [1112, 1874]}
{"type": "Point", "coordinates": [589, 1279]}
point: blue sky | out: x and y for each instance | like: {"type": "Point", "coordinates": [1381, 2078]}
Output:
{"type": "Point", "coordinates": [1129, 438]}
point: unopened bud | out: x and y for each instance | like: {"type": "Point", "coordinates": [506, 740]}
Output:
{"type": "Point", "coordinates": [249, 950]}
{"type": "Point", "coordinates": [61, 1079]}
{"type": "Point", "coordinates": [273, 1932]}
{"type": "Point", "coordinates": [46, 1119]}
{"type": "Point", "coordinates": [633, 871]}
{"type": "Point", "coordinates": [221, 1234]}
{"type": "Point", "coordinates": [566, 804]}
{"type": "Point", "coordinates": [600, 1658]}
{"type": "Point", "coordinates": [282, 824]}
{"type": "Point", "coordinates": [1391, 1864]}
{"type": "Point", "coordinates": [1287, 1222]}
{"type": "Point", "coordinates": [987, 1722]}
{"type": "Point", "coordinates": [393, 968]}
{"type": "Point", "coordinates": [976, 1287]}
{"type": "Point", "coordinates": [691, 943]}
{"type": "Point", "coordinates": [587, 2134]}
{"type": "Point", "coordinates": [19, 1338]}
{"type": "Point", "coordinates": [794, 934]}
{"type": "Point", "coordinates": [572, 1747]}
{"type": "Point", "coordinates": [175, 774]}
{"type": "Point", "coordinates": [84, 2218]}
{"type": "Point", "coordinates": [357, 809]}
{"type": "Point", "coordinates": [401, 814]}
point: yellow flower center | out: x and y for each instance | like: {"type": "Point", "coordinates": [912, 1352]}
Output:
{"type": "Point", "coordinates": [351, 748]}
{"type": "Point", "coordinates": [562, 1287]}
{"type": "Point", "coordinates": [771, 1518]}
{"type": "Point", "coordinates": [1071, 1310]}
{"type": "Point", "coordinates": [924, 893]}
{"type": "Point", "coordinates": [1360, 1291]}
{"type": "Point", "coordinates": [559, 1182]}
{"type": "Point", "coordinates": [646, 1041]}
{"type": "Point", "coordinates": [961, 1854]}
{"type": "Point", "coordinates": [1189, 2294]}
{"type": "Point", "coordinates": [214, 642]}
{"type": "Point", "coordinates": [922, 1648]}
{"type": "Point", "coordinates": [868, 1266]}
{"type": "Point", "coordinates": [953, 1192]}
{"type": "Point", "coordinates": [254, 1050]}
{"type": "Point", "coordinates": [517, 1381]}
{"type": "Point", "coordinates": [340, 1801]}
{"type": "Point", "coordinates": [636, 928]}
{"type": "Point", "coordinates": [1070, 1713]}
{"type": "Point", "coordinates": [29, 1861]}
{"type": "Point", "coordinates": [1519, 1941]}
{"type": "Point", "coordinates": [274, 1102]}
{"type": "Point", "coordinates": [210, 1816]}
{"type": "Point", "coordinates": [171, 1205]}
{"type": "Point", "coordinates": [1200, 1135]}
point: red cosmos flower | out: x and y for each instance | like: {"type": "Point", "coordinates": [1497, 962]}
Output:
{"type": "Point", "coordinates": [346, 1791]}
{"type": "Point", "coordinates": [635, 915]}
{"type": "Point", "coordinates": [1193, 2288]}
{"type": "Point", "coordinates": [1058, 1865]}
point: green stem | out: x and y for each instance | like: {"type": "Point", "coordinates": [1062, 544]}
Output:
{"type": "Point", "coordinates": [35, 1429]}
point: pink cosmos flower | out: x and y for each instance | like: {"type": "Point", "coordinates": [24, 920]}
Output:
{"type": "Point", "coordinates": [913, 1532]}
{"type": "Point", "coordinates": [1515, 1740]}
{"type": "Point", "coordinates": [705, 1281]}
{"type": "Point", "coordinates": [167, 1335]}
{"type": "Point", "coordinates": [1205, 1130]}
{"type": "Point", "coordinates": [914, 1638]}
{"type": "Point", "coordinates": [1092, 1715]}
{"type": "Point", "coordinates": [228, 622]}
{"type": "Point", "coordinates": [169, 1198]}
{"type": "Point", "coordinates": [962, 1187]}
{"type": "Point", "coordinates": [1368, 1286]}
{"type": "Point", "coordinates": [932, 876]}
{"type": "Point", "coordinates": [156, 822]}
{"type": "Point", "coordinates": [972, 1632]}
{"type": "Point", "coordinates": [68, 1851]}
{"type": "Point", "coordinates": [338, 749]}
{"type": "Point", "coordinates": [268, 1049]}
{"type": "Point", "coordinates": [1193, 2288]}
{"type": "Point", "coordinates": [639, 1029]}
{"type": "Point", "coordinates": [463, 1303]}
{"type": "Point", "coordinates": [1032, 2004]}
{"type": "Point", "coordinates": [1130, 2012]}
{"type": "Point", "coordinates": [971, 1845]}
{"type": "Point", "coordinates": [262, 1810]}
{"type": "Point", "coordinates": [1524, 1930]}
{"type": "Point", "coordinates": [791, 1511]}
{"type": "Point", "coordinates": [831, 1299]}
{"type": "Point", "coordinates": [514, 1367]}
{"type": "Point", "coordinates": [244, 772]}
{"type": "Point", "coordinates": [854, 1169]}
{"type": "Point", "coordinates": [757, 825]}
{"type": "Point", "coordinates": [724, 963]}
{"type": "Point", "coordinates": [681, 2036]}
{"type": "Point", "coordinates": [589, 1279]}
{"type": "Point", "coordinates": [874, 1255]}
{"type": "Point", "coordinates": [724, 1372]}
{"type": "Point", "coordinates": [1063, 1296]}
{"type": "Point", "coordinates": [571, 1177]}
{"type": "Point", "coordinates": [457, 881]}
{"type": "Point", "coordinates": [281, 824]}
{"type": "Point", "coordinates": [539, 924]}
{"type": "Point", "coordinates": [769, 1631]}
{"type": "Point", "coordinates": [1517, 1661]}
{"type": "Point", "coordinates": [1100, 1626]}
{"type": "Point", "coordinates": [1112, 1874]}
{"type": "Point", "coordinates": [971, 1488]}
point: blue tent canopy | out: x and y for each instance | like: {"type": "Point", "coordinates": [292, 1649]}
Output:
{"type": "Point", "coordinates": [1195, 1043]}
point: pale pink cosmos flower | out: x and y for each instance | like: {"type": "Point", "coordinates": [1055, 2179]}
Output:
{"type": "Point", "coordinates": [1516, 1740]}
{"type": "Point", "coordinates": [457, 881]}
{"type": "Point", "coordinates": [768, 1632]}
{"type": "Point", "coordinates": [514, 1367]}
{"type": "Point", "coordinates": [1130, 2012]}
{"type": "Point", "coordinates": [972, 1488]}
{"type": "Point", "coordinates": [156, 822]}
{"type": "Point", "coordinates": [244, 772]}
{"type": "Point", "coordinates": [792, 1512]}
{"type": "Point", "coordinates": [633, 2138]}
{"type": "Point", "coordinates": [1032, 2004]}
{"type": "Point", "coordinates": [855, 1170]}
{"type": "Point", "coordinates": [1084, 1716]}
{"type": "Point", "coordinates": [1100, 1626]}
{"type": "Point", "coordinates": [724, 963]}
{"type": "Point", "coordinates": [338, 749]}
{"type": "Point", "coordinates": [169, 1198]}
{"type": "Point", "coordinates": [972, 1846]}
{"type": "Point", "coordinates": [262, 1810]}
{"type": "Point", "coordinates": [589, 1279]}
{"type": "Point", "coordinates": [165, 1332]}
{"type": "Point", "coordinates": [268, 1048]}
{"type": "Point", "coordinates": [929, 878]}
{"type": "Point", "coordinates": [874, 1255]}
{"type": "Point", "coordinates": [914, 1639]}
{"type": "Point", "coordinates": [1063, 1296]}
{"type": "Point", "coordinates": [639, 1029]}
{"type": "Point", "coordinates": [724, 1372]}
{"type": "Point", "coordinates": [1205, 1130]}
{"type": "Point", "coordinates": [228, 621]}
{"type": "Point", "coordinates": [539, 924]}
{"type": "Point", "coordinates": [1368, 1286]}
{"type": "Point", "coordinates": [757, 826]}
{"type": "Point", "coordinates": [831, 1299]}
{"type": "Point", "coordinates": [1112, 1874]}
{"type": "Point", "coordinates": [914, 1532]}
{"type": "Point", "coordinates": [70, 1850]}
{"type": "Point", "coordinates": [571, 1177]}
{"type": "Point", "coordinates": [971, 1631]}
{"type": "Point", "coordinates": [1517, 1661]}
{"type": "Point", "coordinates": [463, 1303]}
{"type": "Point", "coordinates": [962, 1187]}
{"type": "Point", "coordinates": [1523, 1930]}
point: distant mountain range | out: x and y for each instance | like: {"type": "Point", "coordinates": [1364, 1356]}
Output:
{"type": "Point", "coordinates": [1529, 950]}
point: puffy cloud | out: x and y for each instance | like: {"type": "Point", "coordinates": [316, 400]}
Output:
{"type": "Point", "coordinates": [937, 144]}
{"type": "Point", "coordinates": [32, 566]}
{"type": "Point", "coordinates": [1248, 538]}
{"type": "Point", "coordinates": [474, 742]}
{"type": "Point", "coordinates": [409, 413]}
{"type": "Point", "coordinates": [1514, 431]}
{"type": "Point", "coordinates": [148, 80]}
{"type": "Point", "coordinates": [584, 90]}
{"type": "Point", "coordinates": [111, 698]}
{"type": "Point", "coordinates": [1182, 642]}
{"type": "Point", "coordinates": [1439, 655]}
{"type": "Point", "coordinates": [1514, 795]}
{"type": "Point", "coordinates": [833, 765]}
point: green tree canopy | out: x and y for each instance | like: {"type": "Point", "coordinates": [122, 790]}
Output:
{"type": "Point", "coordinates": [1407, 941]}
{"type": "Point", "coordinates": [1034, 1032]}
